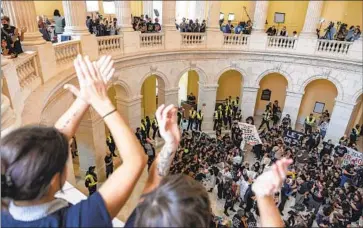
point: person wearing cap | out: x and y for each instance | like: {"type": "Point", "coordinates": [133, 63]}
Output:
{"type": "Point", "coordinates": [91, 180]}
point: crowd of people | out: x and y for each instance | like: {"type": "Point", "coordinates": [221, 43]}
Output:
{"type": "Point", "coordinates": [272, 31]}
{"type": "Point", "coordinates": [188, 25]}
{"type": "Point", "coordinates": [242, 27]}
{"type": "Point", "coordinates": [341, 33]}
{"type": "Point", "coordinates": [145, 24]}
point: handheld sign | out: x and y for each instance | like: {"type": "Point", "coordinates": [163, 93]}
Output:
{"type": "Point", "coordinates": [293, 137]}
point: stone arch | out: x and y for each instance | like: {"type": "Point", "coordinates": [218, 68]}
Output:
{"type": "Point", "coordinates": [238, 69]}
{"type": "Point", "coordinates": [283, 73]}
{"type": "Point", "coordinates": [159, 75]}
{"type": "Point", "coordinates": [201, 74]}
{"type": "Point", "coordinates": [335, 82]}
{"type": "Point", "coordinates": [357, 95]}
{"type": "Point", "coordinates": [122, 88]}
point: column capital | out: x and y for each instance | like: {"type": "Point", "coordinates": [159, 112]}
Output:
{"type": "Point", "coordinates": [128, 101]}
{"type": "Point", "coordinates": [171, 91]}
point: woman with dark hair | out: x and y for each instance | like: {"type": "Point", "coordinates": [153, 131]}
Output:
{"type": "Point", "coordinates": [33, 161]}
{"type": "Point", "coordinates": [59, 22]}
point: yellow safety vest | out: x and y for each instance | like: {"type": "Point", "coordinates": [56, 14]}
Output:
{"type": "Point", "coordinates": [143, 127]}
{"type": "Point", "coordinates": [356, 131]}
{"type": "Point", "coordinates": [109, 139]}
{"type": "Point", "coordinates": [192, 113]}
{"type": "Point", "coordinates": [155, 122]}
{"type": "Point", "coordinates": [186, 150]}
{"type": "Point", "coordinates": [200, 116]}
{"type": "Point", "coordinates": [216, 115]}
{"type": "Point", "coordinates": [310, 122]}
{"type": "Point", "coordinates": [267, 116]}
{"type": "Point", "coordinates": [92, 181]}
{"type": "Point", "coordinates": [220, 107]}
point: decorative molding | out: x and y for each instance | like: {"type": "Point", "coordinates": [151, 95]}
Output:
{"type": "Point", "coordinates": [153, 69]}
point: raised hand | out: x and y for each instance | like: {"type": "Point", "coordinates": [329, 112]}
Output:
{"type": "Point", "coordinates": [169, 131]}
{"type": "Point", "coordinates": [168, 126]}
{"type": "Point", "coordinates": [92, 83]}
{"type": "Point", "coordinates": [271, 181]}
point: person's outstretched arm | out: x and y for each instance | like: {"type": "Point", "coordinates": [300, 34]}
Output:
{"type": "Point", "coordinates": [265, 187]}
{"type": "Point", "coordinates": [118, 187]}
{"type": "Point", "coordinates": [169, 131]}
{"type": "Point", "coordinates": [69, 121]}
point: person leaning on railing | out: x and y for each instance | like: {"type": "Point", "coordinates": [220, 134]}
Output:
{"type": "Point", "coordinates": [34, 158]}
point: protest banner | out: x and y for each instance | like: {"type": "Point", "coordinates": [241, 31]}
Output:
{"type": "Point", "coordinates": [293, 137]}
{"type": "Point", "coordinates": [249, 134]}
{"type": "Point", "coordinates": [352, 157]}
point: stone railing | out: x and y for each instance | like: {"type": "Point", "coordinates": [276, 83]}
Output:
{"type": "Point", "coordinates": [152, 40]}
{"type": "Point", "coordinates": [193, 39]}
{"type": "Point", "coordinates": [333, 47]}
{"type": "Point", "coordinates": [109, 44]}
{"type": "Point", "coordinates": [27, 69]}
{"type": "Point", "coordinates": [281, 42]}
{"type": "Point", "coordinates": [235, 40]}
{"type": "Point", "coordinates": [66, 52]}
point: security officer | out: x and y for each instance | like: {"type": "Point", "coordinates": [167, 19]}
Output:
{"type": "Point", "coordinates": [143, 129]}
{"type": "Point", "coordinates": [354, 135]}
{"type": "Point", "coordinates": [266, 119]}
{"type": "Point", "coordinates": [109, 164]}
{"type": "Point", "coordinates": [192, 115]}
{"type": "Point", "coordinates": [225, 115]}
{"type": "Point", "coordinates": [91, 180]}
{"type": "Point", "coordinates": [148, 126]}
{"type": "Point", "coordinates": [180, 115]}
{"type": "Point", "coordinates": [309, 122]}
{"type": "Point", "coordinates": [155, 127]}
{"type": "Point", "coordinates": [111, 144]}
{"type": "Point", "coordinates": [217, 117]}
{"type": "Point", "coordinates": [199, 120]}
{"type": "Point", "coordinates": [229, 117]}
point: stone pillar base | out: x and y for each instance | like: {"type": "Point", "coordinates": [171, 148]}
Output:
{"type": "Point", "coordinates": [131, 42]}
{"type": "Point", "coordinates": [339, 121]}
{"type": "Point", "coordinates": [258, 40]}
{"type": "Point", "coordinates": [307, 43]}
{"type": "Point", "coordinates": [214, 38]}
{"type": "Point", "coordinates": [248, 101]}
{"type": "Point", "coordinates": [172, 39]}
{"type": "Point", "coordinates": [89, 46]}
{"type": "Point", "coordinates": [207, 102]}
{"type": "Point", "coordinates": [47, 61]}
{"type": "Point", "coordinates": [292, 106]}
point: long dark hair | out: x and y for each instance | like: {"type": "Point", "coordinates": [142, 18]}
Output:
{"type": "Point", "coordinates": [56, 13]}
{"type": "Point", "coordinates": [30, 157]}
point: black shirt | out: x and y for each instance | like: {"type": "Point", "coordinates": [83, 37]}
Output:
{"type": "Point", "coordinates": [340, 151]}
{"type": "Point", "coordinates": [303, 188]}
{"type": "Point", "coordinates": [108, 160]}
{"type": "Point", "coordinates": [6, 34]}
{"type": "Point", "coordinates": [237, 222]}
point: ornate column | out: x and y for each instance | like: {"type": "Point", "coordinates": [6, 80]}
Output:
{"type": "Point", "coordinates": [260, 15]}
{"type": "Point", "coordinates": [213, 16]}
{"type": "Point", "coordinates": [169, 15]}
{"type": "Point", "coordinates": [148, 8]}
{"type": "Point", "coordinates": [75, 17]}
{"type": "Point", "coordinates": [339, 120]}
{"type": "Point", "coordinates": [123, 15]}
{"type": "Point", "coordinates": [91, 142]}
{"type": "Point", "coordinates": [312, 18]}
{"type": "Point", "coordinates": [22, 14]}
{"type": "Point", "coordinates": [200, 10]}
{"type": "Point", "coordinates": [248, 101]}
{"type": "Point", "coordinates": [292, 106]}
{"type": "Point", "coordinates": [130, 110]}
{"type": "Point", "coordinates": [206, 102]}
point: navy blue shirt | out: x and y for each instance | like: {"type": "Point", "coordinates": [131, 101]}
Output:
{"type": "Point", "coordinates": [91, 212]}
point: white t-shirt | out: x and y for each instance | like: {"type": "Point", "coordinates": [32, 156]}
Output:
{"type": "Point", "coordinates": [237, 160]}
{"type": "Point", "coordinates": [243, 186]}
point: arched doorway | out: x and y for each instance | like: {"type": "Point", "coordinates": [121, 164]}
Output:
{"type": "Point", "coordinates": [229, 85]}
{"type": "Point", "coordinates": [188, 85]}
{"type": "Point", "coordinates": [272, 88]}
{"type": "Point", "coordinates": [153, 95]}
{"type": "Point", "coordinates": [319, 96]}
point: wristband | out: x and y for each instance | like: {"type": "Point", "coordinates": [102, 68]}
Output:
{"type": "Point", "coordinates": [109, 113]}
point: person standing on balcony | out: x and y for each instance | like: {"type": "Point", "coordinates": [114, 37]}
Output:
{"type": "Point", "coordinates": [183, 25]}
{"type": "Point", "coordinates": [157, 26]}
{"type": "Point", "coordinates": [203, 26]}
{"type": "Point", "coordinates": [228, 27]}
{"type": "Point", "coordinates": [59, 21]}
{"type": "Point", "coordinates": [196, 27]}
{"type": "Point", "coordinates": [11, 37]}
{"type": "Point", "coordinates": [284, 32]}
{"type": "Point", "coordinates": [271, 31]}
